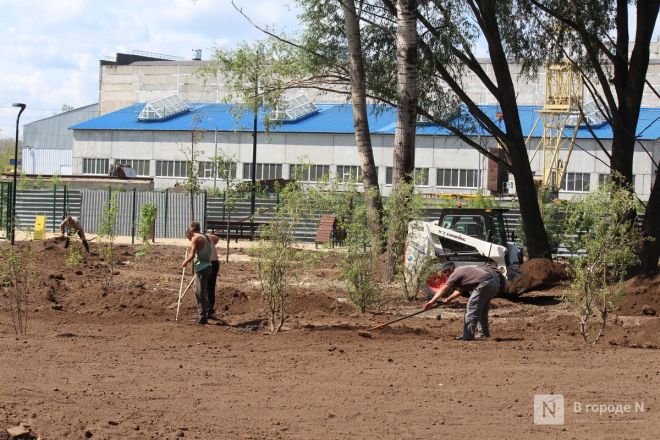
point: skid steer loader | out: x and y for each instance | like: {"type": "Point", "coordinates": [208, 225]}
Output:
{"type": "Point", "coordinates": [466, 236]}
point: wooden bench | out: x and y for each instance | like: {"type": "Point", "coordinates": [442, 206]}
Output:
{"type": "Point", "coordinates": [328, 231]}
{"type": "Point", "coordinates": [243, 229]}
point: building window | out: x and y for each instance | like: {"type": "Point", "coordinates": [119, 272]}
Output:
{"type": "Point", "coordinates": [140, 166]}
{"type": "Point", "coordinates": [420, 175]}
{"type": "Point", "coordinates": [457, 178]}
{"type": "Point", "coordinates": [575, 182]}
{"type": "Point", "coordinates": [171, 168]}
{"type": "Point", "coordinates": [265, 171]}
{"type": "Point", "coordinates": [348, 173]}
{"type": "Point", "coordinates": [311, 173]}
{"type": "Point", "coordinates": [207, 170]}
{"type": "Point", "coordinates": [603, 179]}
{"type": "Point", "coordinates": [96, 166]}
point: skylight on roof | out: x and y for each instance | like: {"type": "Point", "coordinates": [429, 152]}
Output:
{"type": "Point", "coordinates": [163, 108]}
{"type": "Point", "coordinates": [296, 108]}
{"type": "Point", "coordinates": [592, 115]}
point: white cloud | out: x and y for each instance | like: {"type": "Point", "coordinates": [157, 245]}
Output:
{"type": "Point", "coordinates": [51, 49]}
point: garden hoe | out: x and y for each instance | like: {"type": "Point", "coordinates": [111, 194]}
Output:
{"type": "Point", "coordinates": [181, 291]}
{"type": "Point", "coordinates": [367, 333]}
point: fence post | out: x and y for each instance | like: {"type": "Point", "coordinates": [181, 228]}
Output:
{"type": "Point", "coordinates": [54, 213]}
{"type": "Point", "coordinates": [165, 226]}
{"type": "Point", "coordinates": [64, 207]}
{"type": "Point", "coordinates": [133, 219]}
{"type": "Point", "coordinates": [204, 211]}
{"type": "Point", "coordinates": [2, 204]}
{"type": "Point", "coordinates": [224, 202]}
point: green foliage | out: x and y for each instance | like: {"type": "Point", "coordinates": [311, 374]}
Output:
{"type": "Point", "coordinates": [480, 201]}
{"type": "Point", "coordinates": [148, 213]}
{"type": "Point", "coordinates": [275, 252]}
{"type": "Point", "coordinates": [193, 183]}
{"type": "Point", "coordinates": [555, 228]}
{"type": "Point", "coordinates": [24, 182]}
{"type": "Point", "coordinates": [7, 145]}
{"type": "Point", "coordinates": [40, 183]}
{"type": "Point", "coordinates": [74, 255]}
{"type": "Point", "coordinates": [225, 166]}
{"type": "Point", "coordinates": [603, 228]}
{"type": "Point", "coordinates": [17, 268]}
{"type": "Point", "coordinates": [357, 265]}
{"type": "Point", "coordinates": [253, 76]}
{"type": "Point", "coordinates": [403, 206]}
{"type": "Point", "coordinates": [106, 229]}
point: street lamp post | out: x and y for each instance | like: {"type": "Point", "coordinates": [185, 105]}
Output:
{"type": "Point", "coordinates": [13, 196]}
{"type": "Point", "coordinates": [255, 110]}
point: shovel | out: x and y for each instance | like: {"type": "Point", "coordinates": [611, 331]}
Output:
{"type": "Point", "coordinates": [367, 333]}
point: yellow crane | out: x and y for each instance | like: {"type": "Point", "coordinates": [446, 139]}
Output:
{"type": "Point", "coordinates": [560, 113]}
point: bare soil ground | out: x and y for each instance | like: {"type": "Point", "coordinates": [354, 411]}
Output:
{"type": "Point", "coordinates": [116, 365]}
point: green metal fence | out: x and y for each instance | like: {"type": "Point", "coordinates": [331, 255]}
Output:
{"type": "Point", "coordinates": [5, 209]}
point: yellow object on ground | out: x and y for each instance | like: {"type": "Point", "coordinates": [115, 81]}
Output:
{"type": "Point", "coordinates": [40, 227]}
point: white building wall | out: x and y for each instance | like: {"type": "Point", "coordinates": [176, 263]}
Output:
{"type": "Point", "coordinates": [432, 152]}
{"type": "Point", "coordinates": [46, 161]}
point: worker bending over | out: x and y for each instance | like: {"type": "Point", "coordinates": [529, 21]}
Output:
{"type": "Point", "coordinates": [483, 285]}
{"type": "Point", "coordinates": [71, 226]}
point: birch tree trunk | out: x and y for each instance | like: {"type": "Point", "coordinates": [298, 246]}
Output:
{"type": "Point", "coordinates": [361, 125]}
{"type": "Point", "coordinates": [406, 124]}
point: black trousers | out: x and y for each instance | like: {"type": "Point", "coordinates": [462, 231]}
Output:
{"type": "Point", "coordinates": [215, 268]}
{"type": "Point", "coordinates": [82, 238]}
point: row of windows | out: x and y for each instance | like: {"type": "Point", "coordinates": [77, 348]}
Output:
{"type": "Point", "coordinates": [445, 177]}
{"type": "Point", "coordinates": [266, 171]}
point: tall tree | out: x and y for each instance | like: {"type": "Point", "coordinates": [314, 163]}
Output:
{"type": "Point", "coordinates": [597, 36]}
{"type": "Point", "coordinates": [449, 40]}
{"type": "Point", "coordinates": [361, 125]}
{"type": "Point", "coordinates": [447, 34]}
{"type": "Point", "coordinates": [406, 66]}
{"type": "Point", "coordinates": [403, 153]}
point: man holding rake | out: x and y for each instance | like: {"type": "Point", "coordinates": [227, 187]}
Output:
{"type": "Point", "coordinates": [200, 251]}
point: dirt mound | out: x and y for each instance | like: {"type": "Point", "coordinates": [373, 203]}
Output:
{"type": "Point", "coordinates": [642, 296]}
{"type": "Point", "coordinates": [537, 274]}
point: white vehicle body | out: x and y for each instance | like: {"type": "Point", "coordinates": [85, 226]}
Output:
{"type": "Point", "coordinates": [473, 237]}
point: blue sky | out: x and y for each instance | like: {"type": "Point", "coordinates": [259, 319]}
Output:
{"type": "Point", "coordinates": [50, 49]}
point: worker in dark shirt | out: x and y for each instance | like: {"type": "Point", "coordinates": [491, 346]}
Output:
{"type": "Point", "coordinates": [483, 285]}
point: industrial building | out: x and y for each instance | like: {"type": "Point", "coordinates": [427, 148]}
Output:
{"type": "Point", "coordinates": [77, 142]}
{"type": "Point", "coordinates": [322, 139]}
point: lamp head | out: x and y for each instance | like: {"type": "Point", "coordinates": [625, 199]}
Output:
{"type": "Point", "coordinates": [18, 104]}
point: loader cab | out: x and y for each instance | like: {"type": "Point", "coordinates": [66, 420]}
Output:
{"type": "Point", "coordinates": [485, 225]}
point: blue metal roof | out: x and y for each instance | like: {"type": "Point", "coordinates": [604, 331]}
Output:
{"type": "Point", "coordinates": [331, 118]}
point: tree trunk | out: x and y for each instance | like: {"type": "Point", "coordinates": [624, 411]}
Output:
{"type": "Point", "coordinates": [406, 122]}
{"type": "Point", "coordinates": [361, 125]}
{"type": "Point", "coordinates": [650, 251]}
{"type": "Point", "coordinates": [629, 81]}
{"type": "Point", "coordinates": [535, 236]}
